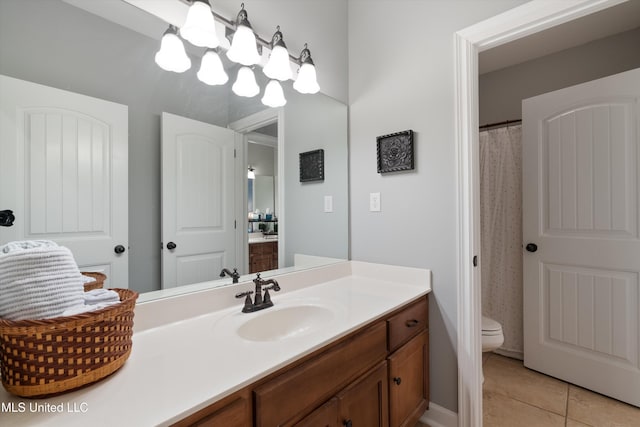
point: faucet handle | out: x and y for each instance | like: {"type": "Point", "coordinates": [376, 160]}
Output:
{"type": "Point", "coordinates": [247, 300]}
{"type": "Point", "coordinates": [244, 294]}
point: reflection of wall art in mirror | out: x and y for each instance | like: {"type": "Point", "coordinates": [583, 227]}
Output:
{"type": "Point", "coordinates": [395, 152]}
{"type": "Point", "coordinates": [312, 166]}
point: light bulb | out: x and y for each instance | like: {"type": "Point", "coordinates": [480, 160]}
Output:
{"type": "Point", "coordinates": [211, 70]}
{"type": "Point", "coordinates": [172, 56]}
{"type": "Point", "coordinates": [245, 84]}
{"type": "Point", "coordinates": [306, 81]}
{"type": "Point", "coordinates": [199, 28]}
{"type": "Point", "coordinates": [273, 95]}
{"type": "Point", "coordinates": [278, 65]}
{"type": "Point", "coordinates": [243, 47]}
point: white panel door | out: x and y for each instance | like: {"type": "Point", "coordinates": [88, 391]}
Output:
{"type": "Point", "coordinates": [580, 204]}
{"type": "Point", "coordinates": [63, 158]}
{"type": "Point", "coordinates": [198, 199]}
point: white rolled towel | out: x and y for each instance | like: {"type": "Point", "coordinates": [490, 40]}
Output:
{"type": "Point", "coordinates": [38, 280]}
{"type": "Point", "coordinates": [97, 296]}
{"type": "Point", "coordinates": [85, 308]}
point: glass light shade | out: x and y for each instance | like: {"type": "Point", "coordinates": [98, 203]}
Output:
{"type": "Point", "coordinates": [251, 174]}
{"type": "Point", "coordinates": [245, 84]}
{"type": "Point", "coordinates": [278, 65]}
{"type": "Point", "coordinates": [306, 81]}
{"type": "Point", "coordinates": [243, 47]}
{"type": "Point", "coordinates": [211, 70]}
{"type": "Point", "coordinates": [172, 56]}
{"type": "Point", "coordinates": [200, 29]}
{"type": "Point", "coordinates": [273, 95]}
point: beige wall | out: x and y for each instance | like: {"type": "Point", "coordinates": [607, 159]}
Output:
{"type": "Point", "coordinates": [502, 91]}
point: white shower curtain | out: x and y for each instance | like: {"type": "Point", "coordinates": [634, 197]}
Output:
{"type": "Point", "coordinates": [501, 232]}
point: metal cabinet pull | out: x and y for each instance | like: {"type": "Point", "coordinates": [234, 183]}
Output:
{"type": "Point", "coordinates": [411, 323]}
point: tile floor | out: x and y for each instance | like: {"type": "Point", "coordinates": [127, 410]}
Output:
{"type": "Point", "coordinates": [515, 396]}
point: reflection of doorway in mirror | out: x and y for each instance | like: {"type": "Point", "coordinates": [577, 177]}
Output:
{"type": "Point", "coordinates": [262, 230]}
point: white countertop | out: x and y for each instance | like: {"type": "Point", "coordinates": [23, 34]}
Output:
{"type": "Point", "coordinates": [263, 239]}
{"type": "Point", "coordinates": [184, 361]}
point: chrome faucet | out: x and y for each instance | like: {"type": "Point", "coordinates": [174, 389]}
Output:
{"type": "Point", "coordinates": [235, 275]}
{"type": "Point", "coordinates": [259, 302]}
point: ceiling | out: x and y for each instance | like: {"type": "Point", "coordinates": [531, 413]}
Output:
{"type": "Point", "coordinates": [614, 20]}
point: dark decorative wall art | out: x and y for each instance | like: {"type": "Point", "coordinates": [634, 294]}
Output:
{"type": "Point", "coordinates": [312, 166]}
{"type": "Point", "coordinates": [395, 152]}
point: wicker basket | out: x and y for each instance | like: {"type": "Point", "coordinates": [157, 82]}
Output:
{"type": "Point", "coordinates": [96, 284]}
{"type": "Point", "coordinates": [41, 358]}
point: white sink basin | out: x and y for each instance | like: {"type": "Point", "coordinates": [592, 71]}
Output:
{"type": "Point", "coordinates": [276, 324]}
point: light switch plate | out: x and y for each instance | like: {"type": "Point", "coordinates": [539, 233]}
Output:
{"type": "Point", "coordinates": [328, 203]}
{"type": "Point", "coordinates": [374, 202]}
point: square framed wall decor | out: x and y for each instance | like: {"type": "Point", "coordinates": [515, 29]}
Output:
{"type": "Point", "coordinates": [312, 166]}
{"type": "Point", "coordinates": [395, 152]}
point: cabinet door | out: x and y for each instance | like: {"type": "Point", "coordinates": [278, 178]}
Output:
{"type": "Point", "coordinates": [365, 402]}
{"type": "Point", "coordinates": [324, 416]}
{"type": "Point", "coordinates": [409, 381]}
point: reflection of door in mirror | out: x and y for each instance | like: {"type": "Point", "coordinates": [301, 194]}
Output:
{"type": "Point", "coordinates": [198, 209]}
{"type": "Point", "coordinates": [64, 174]}
{"type": "Point", "coordinates": [262, 237]}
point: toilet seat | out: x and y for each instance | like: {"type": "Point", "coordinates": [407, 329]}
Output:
{"type": "Point", "coordinates": [492, 337]}
{"type": "Point", "coordinates": [490, 327]}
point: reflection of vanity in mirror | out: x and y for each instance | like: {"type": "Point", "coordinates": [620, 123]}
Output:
{"type": "Point", "coordinates": [79, 52]}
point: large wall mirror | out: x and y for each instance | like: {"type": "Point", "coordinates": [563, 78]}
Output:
{"type": "Point", "coordinates": [59, 45]}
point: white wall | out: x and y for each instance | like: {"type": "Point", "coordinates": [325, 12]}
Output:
{"type": "Point", "coordinates": [502, 91]}
{"type": "Point", "coordinates": [401, 76]}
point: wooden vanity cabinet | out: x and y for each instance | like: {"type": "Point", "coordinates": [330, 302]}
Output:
{"type": "Point", "coordinates": [263, 256]}
{"type": "Point", "coordinates": [377, 376]}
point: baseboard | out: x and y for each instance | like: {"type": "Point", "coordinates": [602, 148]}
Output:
{"type": "Point", "coordinates": [438, 416]}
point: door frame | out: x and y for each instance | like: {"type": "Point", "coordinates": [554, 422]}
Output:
{"type": "Point", "coordinates": [524, 20]}
{"type": "Point", "coordinates": [245, 126]}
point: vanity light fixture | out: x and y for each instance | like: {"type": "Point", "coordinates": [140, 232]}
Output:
{"type": "Point", "coordinates": [273, 95]}
{"type": "Point", "coordinates": [211, 70]}
{"type": "Point", "coordinates": [251, 174]}
{"type": "Point", "coordinates": [244, 47]}
{"type": "Point", "coordinates": [199, 28]}
{"type": "Point", "coordinates": [172, 56]}
{"type": "Point", "coordinates": [307, 81]}
{"type": "Point", "coordinates": [277, 66]}
{"type": "Point", "coordinates": [245, 84]}
{"type": "Point", "coordinates": [202, 30]}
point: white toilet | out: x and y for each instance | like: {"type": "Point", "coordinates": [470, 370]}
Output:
{"type": "Point", "coordinates": [492, 337]}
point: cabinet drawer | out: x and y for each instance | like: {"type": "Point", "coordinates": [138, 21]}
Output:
{"type": "Point", "coordinates": [408, 323]}
{"type": "Point", "coordinates": [295, 393]}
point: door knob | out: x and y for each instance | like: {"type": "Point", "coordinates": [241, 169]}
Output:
{"type": "Point", "coordinates": [347, 423]}
{"type": "Point", "coordinates": [531, 247]}
{"type": "Point", "coordinates": [171, 246]}
{"type": "Point", "coordinates": [7, 218]}
{"type": "Point", "coordinates": [397, 380]}
{"type": "Point", "coordinates": [119, 249]}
